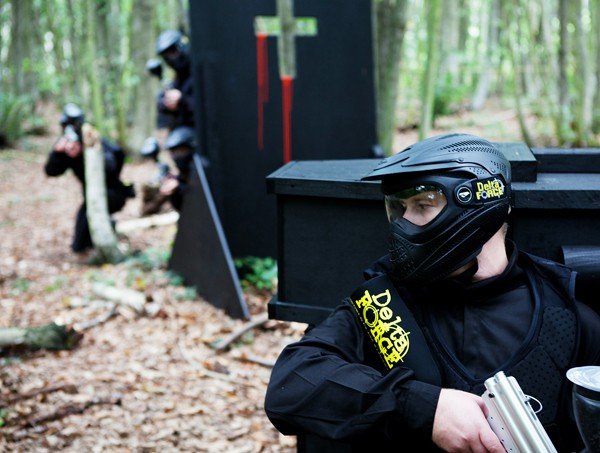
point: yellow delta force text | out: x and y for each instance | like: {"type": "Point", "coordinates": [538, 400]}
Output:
{"type": "Point", "coordinates": [384, 326]}
{"type": "Point", "coordinates": [490, 189]}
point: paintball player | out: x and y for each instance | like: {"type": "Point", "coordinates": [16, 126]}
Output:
{"type": "Point", "coordinates": [175, 102]}
{"type": "Point", "coordinates": [403, 360]}
{"type": "Point", "coordinates": [67, 153]}
{"type": "Point", "coordinates": [152, 198]}
{"type": "Point", "coordinates": [181, 144]}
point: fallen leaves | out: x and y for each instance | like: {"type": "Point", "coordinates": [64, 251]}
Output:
{"type": "Point", "coordinates": [176, 393]}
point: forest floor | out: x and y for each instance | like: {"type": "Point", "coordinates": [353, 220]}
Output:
{"type": "Point", "coordinates": [163, 386]}
{"type": "Point", "coordinates": [148, 382]}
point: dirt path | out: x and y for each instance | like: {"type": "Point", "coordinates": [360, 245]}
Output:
{"type": "Point", "coordinates": [164, 387]}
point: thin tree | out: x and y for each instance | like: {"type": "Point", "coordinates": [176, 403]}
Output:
{"type": "Point", "coordinates": [390, 27]}
{"type": "Point", "coordinates": [92, 67]}
{"type": "Point", "coordinates": [513, 15]}
{"type": "Point", "coordinates": [487, 62]}
{"type": "Point", "coordinates": [142, 48]}
{"type": "Point", "coordinates": [584, 80]}
{"type": "Point", "coordinates": [434, 12]}
{"type": "Point", "coordinates": [564, 109]}
{"type": "Point", "coordinates": [595, 4]}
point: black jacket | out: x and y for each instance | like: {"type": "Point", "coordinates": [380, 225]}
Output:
{"type": "Point", "coordinates": [114, 157]}
{"type": "Point", "coordinates": [332, 383]}
{"type": "Point", "coordinates": [184, 114]}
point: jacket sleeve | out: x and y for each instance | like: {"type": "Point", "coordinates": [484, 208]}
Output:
{"type": "Point", "coordinates": [321, 385]}
{"type": "Point", "coordinates": [57, 163]}
{"type": "Point", "coordinates": [176, 197]}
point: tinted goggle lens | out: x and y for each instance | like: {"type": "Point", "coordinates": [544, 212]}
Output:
{"type": "Point", "coordinates": [420, 199]}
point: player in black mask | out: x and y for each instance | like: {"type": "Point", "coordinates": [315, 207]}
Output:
{"type": "Point", "coordinates": [67, 153]}
{"type": "Point", "coordinates": [181, 144]}
{"type": "Point", "coordinates": [175, 102]}
{"type": "Point", "coordinates": [401, 363]}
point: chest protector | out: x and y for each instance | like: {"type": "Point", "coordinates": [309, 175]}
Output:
{"type": "Point", "coordinates": [539, 366]}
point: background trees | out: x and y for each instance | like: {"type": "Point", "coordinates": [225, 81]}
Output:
{"type": "Point", "coordinates": [433, 58]}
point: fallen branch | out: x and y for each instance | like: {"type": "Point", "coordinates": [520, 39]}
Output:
{"type": "Point", "coordinates": [167, 218]}
{"type": "Point", "coordinates": [224, 343]}
{"type": "Point", "coordinates": [85, 325]}
{"type": "Point", "coordinates": [204, 372]}
{"type": "Point", "coordinates": [50, 336]}
{"type": "Point", "coordinates": [124, 296]}
{"type": "Point", "coordinates": [71, 409]}
{"type": "Point", "coordinates": [245, 357]}
{"type": "Point", "coordinates": [68, 388]}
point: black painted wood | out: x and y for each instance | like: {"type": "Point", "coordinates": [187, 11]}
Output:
{"type": "Point", "coordinates": [522, 161]}
{"type": "Point", "coordinates": [332, 226]}
{"type": "Point", "coordinates": [572, 160]}
{"type": "Point", "coordinates": [200, 251]}
{"type": "Point", "coordinates": [333, 115]}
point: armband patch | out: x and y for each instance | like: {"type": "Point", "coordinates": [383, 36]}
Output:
{"type": "Point", "coordinates": [383, 325]}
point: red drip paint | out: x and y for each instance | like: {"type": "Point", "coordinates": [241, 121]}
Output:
{"type": "Point", "coordinates": [262, 82]}
{"type": "Point", "coordinates": [287, 90]}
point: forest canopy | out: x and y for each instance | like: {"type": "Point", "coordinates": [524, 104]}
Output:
{"type": "Point", "coordinates": [432, 57]}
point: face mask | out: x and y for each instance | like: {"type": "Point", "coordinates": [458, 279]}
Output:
{"type": "Point", "coordinates": [425, 253]}
{"type": "Point", "coordinates": [179, 63]}
{"type": "Point", "coordinates": [183, 163]}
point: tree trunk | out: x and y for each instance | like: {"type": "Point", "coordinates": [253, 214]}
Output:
{"type": "Point", "coordinates": [564, 111]}
{"type": "Point", "coordinates": [390, 26]}
{"type": "Point", "coordinates": [76, 70]}
{"type": "Point", "coordinates": [596, 26]}
{"type": "Point", "coordinates": [584, 80]}
{"type": "Point", "coordinates": [101, 230]}
{"type": "Point", "coordinates": [449, 65]}
{"type": "Point", "coordinates": [512, 34]}
{"type": "Point", "coordinates": [92, 68]}
{"type": "Point", "coordinates": [50, 8]}
{"type": "Point", "coordinates": [432, 66]}
{"type": "Point", "coordinates": [142, 49]}
{"type": "Point", "coordinates": [19, 54]}
{"type": "Point", "coordinates": [487, 66]}
{"type": "Point", "coordinates": [122, 90]}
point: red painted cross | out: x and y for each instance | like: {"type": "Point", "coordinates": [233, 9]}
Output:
{"type": "Point", "coordinates": [285, 27]}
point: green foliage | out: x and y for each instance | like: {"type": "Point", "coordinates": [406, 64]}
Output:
{"type": "Point", "coordinates": [150, 259]}
{"type": "Point", "coordinates": [96, 276]}
{"type": "Point", "coordinates": [175, 279]}
{"type": "Point", "coordinates": [12, 109]}
{"type": "Point", "coordinates": [58, 283]}
{"type": "Point", "coordinates": [19, 286]}
{"type": "Point", "coordinates": [188, 293]}
{"type": "Point", "coordinates": [3, 416]}
{"type": "Point", "coordinates": [448, 97]}
{"type": "Point", "coordinates": [261, 273]}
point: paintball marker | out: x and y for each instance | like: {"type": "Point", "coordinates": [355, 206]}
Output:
{"type": "Point", "coordinates": [512, 418]}
{"type": "Point", "coordinates": [150, 150]}
{"type": "Point", "coordinates": [154, 67]}
{"type": "Point", "coordinates": [70, 133]}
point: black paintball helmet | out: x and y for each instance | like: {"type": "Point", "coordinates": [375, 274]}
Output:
{"type": "Point", "coordinates": [150, 148]}
{"type": "Point", "coordinates": [470, 176]}
{"type": "Point", "coordinates": [182, 136]}
{"type": "Point", "coordinates": [169, 39]}
{"type": "Point", "coordinates": [72, 115]}
{"type": "Point", "coordinates": [174, 40]}
{"type": "Point", "coordinates": [154, 67]}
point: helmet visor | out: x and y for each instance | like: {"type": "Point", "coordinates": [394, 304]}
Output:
{"type": "Point", "coordinates": [419, 204]}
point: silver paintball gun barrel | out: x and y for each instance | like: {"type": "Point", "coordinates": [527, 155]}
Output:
{"type": "Point", "coordinates": [512, 418]}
